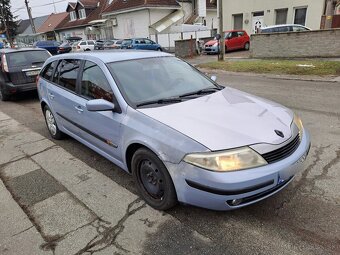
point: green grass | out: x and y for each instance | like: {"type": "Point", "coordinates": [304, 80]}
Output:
{"type": "Point", "coordinates": [290, 67]}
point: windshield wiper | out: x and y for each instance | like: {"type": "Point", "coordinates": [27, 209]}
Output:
{"type": "Point", "coordinates": [161, 101]}
{"type": "Point", "coordinates": [200, 92]}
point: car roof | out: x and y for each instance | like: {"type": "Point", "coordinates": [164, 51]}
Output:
{"type": "Point", "coordinates": [113, 55]}
{"type": "Point", "coordinates": [10, 50]}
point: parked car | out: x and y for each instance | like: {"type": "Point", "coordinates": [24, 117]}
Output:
{"type": "Point", "coordinates": [51, 46]}
{"type": "Point", "coordinates": [83, 45]}
{"type": "Point", "coordinates": [113, 44]}
{"type": "Point", "coordinates": [284, 28]}
{"type": "Point", "coordinates": [73, 39]}
{"type": "Point", "coordinates": [19, 69]}
{"type": "Point", "coordinates": [182, 136]}
{"type": "Point", "coordinates": [234, 40]}
{"type": "Point", "coordinates": [140, 44]}
{"type": "Point", "coordinates": [64, 48]}
{"type": "Point", "coordinates": [99, 45]}
{"type": "Point", "coordinates": [1, 45]}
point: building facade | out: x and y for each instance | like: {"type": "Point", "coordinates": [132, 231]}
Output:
{"type": "Point", "coordinates": [254, 14]}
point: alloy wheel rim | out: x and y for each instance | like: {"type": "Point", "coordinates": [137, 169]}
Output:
{"type": "Point", "coordinates": [51, 124]}
{"type": "Point", "coordinates": [152, 179]}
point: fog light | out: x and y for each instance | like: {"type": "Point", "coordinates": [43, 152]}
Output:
{"type": "Point", "coordinates": [236, 202]}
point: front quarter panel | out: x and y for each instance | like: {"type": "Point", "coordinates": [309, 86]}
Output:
{"type": "Point", "coordinates": [168, 144]}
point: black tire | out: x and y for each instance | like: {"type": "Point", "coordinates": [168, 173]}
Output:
{"type": "Point", "coordinates": [246, 46]}
{"type": "Point", "coordinates": [153, 181]}
{"type": "Point", "coordinates": [159, 49]}
{"type": "Point", "coordinates": [57, 134]}
{"type": "Point", "coordinates": [4, 96]}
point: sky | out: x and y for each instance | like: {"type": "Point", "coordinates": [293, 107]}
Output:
{"type": "Point", "coordinates": [39, 7]}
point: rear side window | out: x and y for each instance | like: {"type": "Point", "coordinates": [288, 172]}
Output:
{"type": "Point", "coordinates": [25, 58]}
{"type": "Point", "coordinates": [240, 34]}
{"type": "Point", "coordinates": [94, 84]}
{"type": "Point", "coordinates": [90, 43]}
{"type": "Point", "coordinates": [82, 43]}
{"type": "Point", "coordinates": [67, 73]}
{"type": "Point", "coordinates": [48, 70]}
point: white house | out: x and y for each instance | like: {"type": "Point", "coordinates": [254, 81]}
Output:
{"type": "Point", "coordinates": [157, 19]}
{"type": "Point", "coordinates": [250, 15]}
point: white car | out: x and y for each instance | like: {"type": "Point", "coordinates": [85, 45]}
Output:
{"type": "Point", "coordinates": [83, 45]}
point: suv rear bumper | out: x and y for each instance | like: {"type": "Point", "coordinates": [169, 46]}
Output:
{"type": "Point", "coordinates": [10, 88]}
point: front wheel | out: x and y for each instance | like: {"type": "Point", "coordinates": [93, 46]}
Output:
{"type": "Point", "coordinates": [153, 180]}
{"type": "Point", "coordinates": [159, 49]}
{"type": "Point", "coordinates": [3, 95]}
{"type": "Point", "coordinates": [246, 46]}
{"type": "Point", "coordinates": [52, 124]}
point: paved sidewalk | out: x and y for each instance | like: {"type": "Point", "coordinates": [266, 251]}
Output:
{"type": "Point", "coordinates": [53, 203]}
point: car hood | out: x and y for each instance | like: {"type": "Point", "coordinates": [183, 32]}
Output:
{"type": "Point", "coordinates": [212, 42]}
{"type": "Point", "coordinates": [226, 119]}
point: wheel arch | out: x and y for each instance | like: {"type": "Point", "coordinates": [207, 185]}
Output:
{"type": "Point", "coordinates": [131, 150]}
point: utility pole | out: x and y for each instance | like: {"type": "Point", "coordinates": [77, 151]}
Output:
{"type": "Point", "coordinates": [221, 32]}
{"type": "Point", "coordinates": [55, 9]}
{"type": "Point", "coordinates": [30, 16]}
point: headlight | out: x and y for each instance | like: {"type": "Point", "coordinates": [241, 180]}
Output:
{"type": "Point", "coordinates": [230, 160]}
{"type": "Point", "coordinates": [298, 123]}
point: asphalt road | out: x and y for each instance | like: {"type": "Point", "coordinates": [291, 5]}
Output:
{"type": "Point", "coordinates": [302, 219]}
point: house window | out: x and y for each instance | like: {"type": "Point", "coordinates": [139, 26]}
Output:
{"type": "Point", "coordinates": [281, 16]}
{"type": "Point", "coordinates": [73, 16]}
{"type": "Point", "coordinates": [300, 16]}
{"type": "Point", "coordinates": [82, 14]}
{"type": "Point", "coordinates": [238, 21]}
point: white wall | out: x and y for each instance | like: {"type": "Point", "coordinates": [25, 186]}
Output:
{"type": "Point", "coordinates": [136, 24]}
{"type": "Point", "coordinates": [247, 7]}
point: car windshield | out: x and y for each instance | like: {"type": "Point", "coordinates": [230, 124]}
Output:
{"type": "Point", "coordinates": [162, 78]}
{"type": "Point", "coordinates": [25, 58]}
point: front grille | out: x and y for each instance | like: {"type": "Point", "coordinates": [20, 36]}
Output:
{"type": "Point", "coordinates": [282, 152]}
{"type": "Point", "coordinates": [21, 78]}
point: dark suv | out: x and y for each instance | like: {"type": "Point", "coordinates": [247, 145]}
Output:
{"type": "Point", "coordinates": [19, 69]}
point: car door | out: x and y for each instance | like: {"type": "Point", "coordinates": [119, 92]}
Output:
{"type": "Point", "coordinates": [150, 45]}
{"type": "Point", "coordinates": [62, 95]}
{"type": "Point", "coordinates": [232, 41]}
{"type": "Point", "coordinates": [100, 129]}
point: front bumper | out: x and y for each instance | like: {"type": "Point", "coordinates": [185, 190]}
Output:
{"type": "Point", "coordinates": [232, 190]}
{"type": "Point", "coordinates": [212, 49]}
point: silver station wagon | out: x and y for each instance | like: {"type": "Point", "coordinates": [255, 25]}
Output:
{"type": "Point", "coordinates": [183, 137]}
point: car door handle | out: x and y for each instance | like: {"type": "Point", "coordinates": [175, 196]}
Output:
{"type": "Point", "coordinates": [79, 109]}
{"type": "Point", "coordinates": [51, 96]}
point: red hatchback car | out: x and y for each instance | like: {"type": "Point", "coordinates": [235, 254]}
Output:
{"type": "Point", "coordinates": [234, 40]}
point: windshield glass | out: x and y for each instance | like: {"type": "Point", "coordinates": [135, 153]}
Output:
{"type": "Point", "coordinates": [24, 58]}
{"type": "Point", "coordinates": [143, 80]}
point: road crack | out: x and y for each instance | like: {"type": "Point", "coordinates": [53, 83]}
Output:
{"type": "Point", "coordinates": [107, 236]}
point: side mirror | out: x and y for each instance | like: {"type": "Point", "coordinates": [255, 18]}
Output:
{"type": "Point", "coordinates": [214, 78]}
{"type": "Point", "coordinates": [99, 105]}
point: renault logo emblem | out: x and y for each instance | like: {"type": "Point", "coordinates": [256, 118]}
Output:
{"type": "Point", "coordinates": [279, 133]}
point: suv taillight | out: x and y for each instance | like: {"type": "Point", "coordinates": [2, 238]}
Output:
{"type": "Point", "coordinates": [78, 47]}
{"type": "Point", "coordinates": [4, 64]}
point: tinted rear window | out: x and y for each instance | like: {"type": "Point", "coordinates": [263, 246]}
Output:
{"type": "Point", "coordinates": [24, 58]}
{"type": "Point", "coordinates": [66, 74]}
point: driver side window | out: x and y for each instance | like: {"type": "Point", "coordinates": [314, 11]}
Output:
{"type": "Point", "coordinates": [94, 84]}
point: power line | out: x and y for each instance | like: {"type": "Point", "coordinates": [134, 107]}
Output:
{"type": "Point", "coordinates": [42, 5]}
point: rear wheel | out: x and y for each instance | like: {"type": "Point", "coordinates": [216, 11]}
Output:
{"type": "Point", "coordinates": [52, 124]}
{"type": "Point", "coordinates": [159, 49]}
{"type": "Point", "coordinates": [153, 180]}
